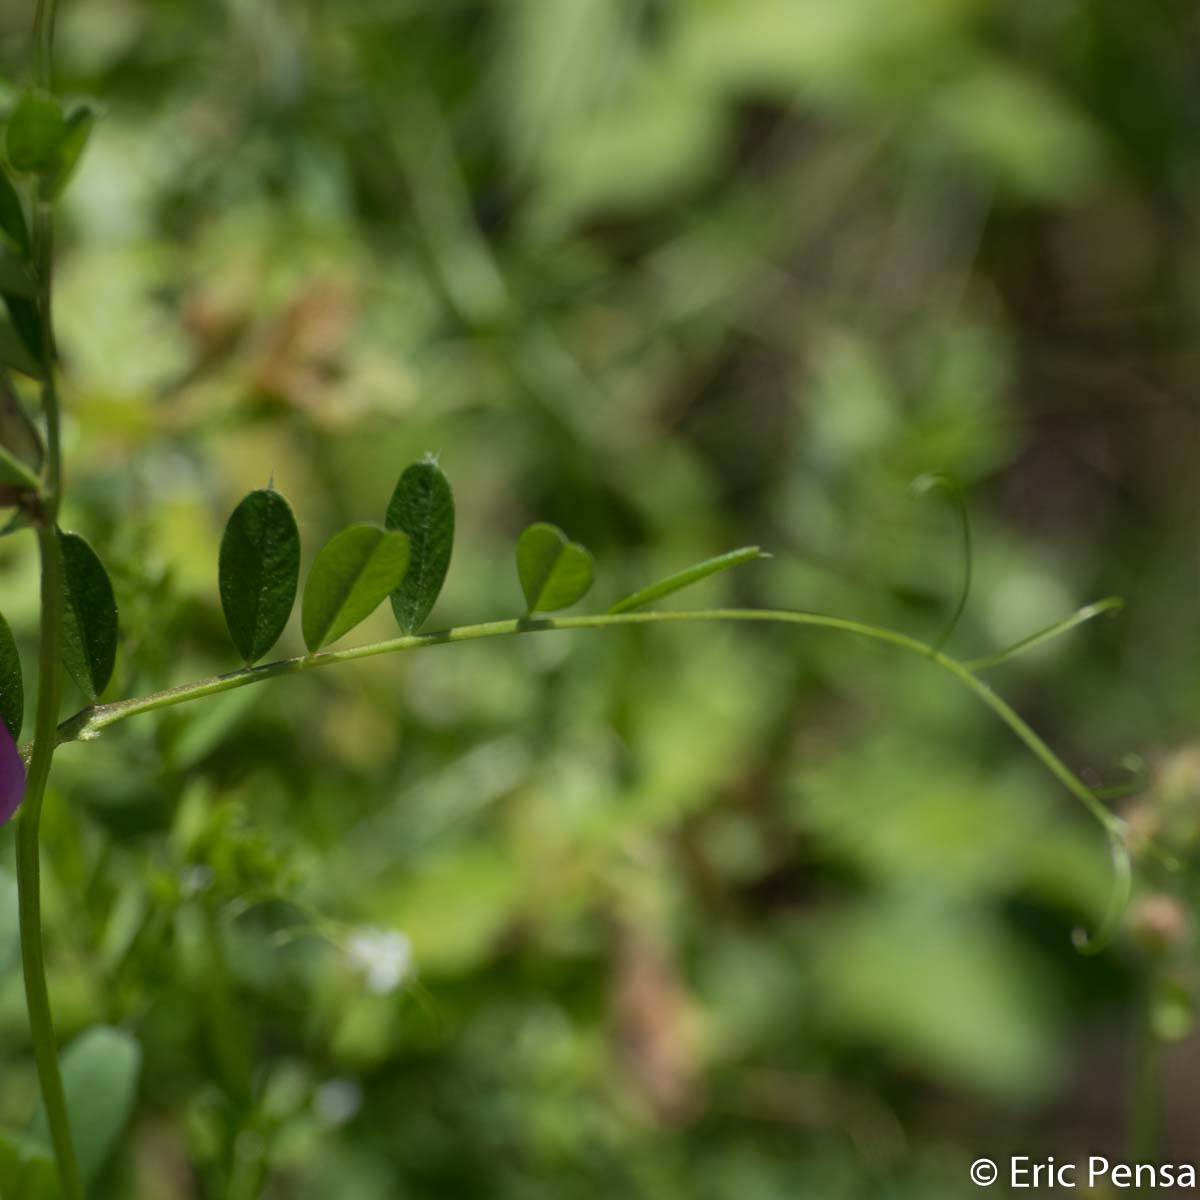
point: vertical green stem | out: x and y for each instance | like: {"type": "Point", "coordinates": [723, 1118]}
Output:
{"type": "Point", "coordinates": [29, 871]}
{"type": "Point", "coordinates": [33, 959]}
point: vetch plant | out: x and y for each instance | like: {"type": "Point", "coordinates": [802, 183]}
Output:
{"type": "Point", "coordinates": [406, 559]}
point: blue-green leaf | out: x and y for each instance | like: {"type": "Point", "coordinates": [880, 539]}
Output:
{"type": "Point", "coordinates": [89, 644]}
{"type": "Point", "coordinates": [258, 571]}
{"type": "Point", "coordinates": [554, 571]}
{"type": "Point", "coordinates": [350, 578]}
{"type": "Point", "coordinates": [12, 684]}
{"type": "Point", "coordinates": [686, 577]}
{"type": "Point", "coordinates": [422, 506]}
{"type": "Point", "coordinates": [100, 1070]}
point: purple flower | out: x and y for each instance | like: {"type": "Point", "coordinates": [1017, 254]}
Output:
{"type": "Point", "coordinates": [12, 775]}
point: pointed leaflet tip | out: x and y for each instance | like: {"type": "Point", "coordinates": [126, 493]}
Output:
{"type": "Point", "coordinates": [12, 775]}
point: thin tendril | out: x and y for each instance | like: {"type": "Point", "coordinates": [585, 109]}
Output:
{"type": "Point", "coordinates": [1118, 902]}
{"type": "Point", "coordinates": [1110, 604]}
{"type": "Point", "coordinates": [952, 490]}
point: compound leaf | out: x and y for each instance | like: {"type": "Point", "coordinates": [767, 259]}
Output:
{"type": "Point", "coordinates": [422, 506]}
{"type": "Point", "coordinates": [351, 576]}
{"type": "Point", "coordinates": [89, 644]}
{"type": "Point", "coordinates": [259, 568]}
{"type": "Point", "coordinates": [554, 571]}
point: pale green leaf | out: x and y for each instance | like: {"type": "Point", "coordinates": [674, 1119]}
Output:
{"type": "Point", "coordinates": [554, 571]}
{"type": "Point", "coordinates": [686, 577]}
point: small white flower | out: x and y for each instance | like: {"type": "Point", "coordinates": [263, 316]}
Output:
{"type": "Point", "coordinates": [384, 956]}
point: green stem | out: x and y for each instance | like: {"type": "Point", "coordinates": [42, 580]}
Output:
{"type": "Point", "coordinates": [43, 38]}
{"type": "Point", "coordinates": [33, 960]}
{"type": "Point", "coordinates": [45, 740]}
{"type": "Point", "coordinates": [91, 721]}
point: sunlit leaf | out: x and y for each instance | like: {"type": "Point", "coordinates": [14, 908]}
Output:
{"type": "Point", "coordinates": [12, 686]}
{"type": "Point", "coordinates": [554, 571]}
{"type": "Point", "coordinates": [89, 646]}
{"type": "Point", "coordinates": [100, 1076]}
{"type": "Point", "coordinates": [70, 150]}
{"type": "Point", "coordinates": [258, 571]}
{"type": "Point", "coordinates": [12, 216]}
{"type": "Point", "coordinates": [350, 578]}
{"type": "Point", "coordinates": [422, 506]}
{"type": "Point", "coordinates": [685, 578]}
{"type": "Point", "coordinates": [36, 131]}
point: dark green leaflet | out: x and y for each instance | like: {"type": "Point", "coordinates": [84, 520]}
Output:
{"type": "Point", "coordinates": [89, 646]}
{"type": "Point", "coordinates": [686, 577]}
{"type": "Point", "coordinates": [554, 571]}
{"type": "Point", "coordinates": [351, 576]}
{"type": "Point", "coordinates": [12, 685]}
{"type": "Point", "coordinates": [422, 506]}
{"type": "Point", "coordinates": [258, 571]}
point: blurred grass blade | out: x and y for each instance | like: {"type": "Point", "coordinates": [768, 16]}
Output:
{"type": "Point", "coordinates": [258, 571]}
{"type": "Point", "coordinates": [1109, 604]}
{"type": "Point", "coordinates": [12, 684]}
{"type": "Point", "coordinates": [89, 645]}
{"type": "Point", "coordinates": [952, 490]}
{"type": "Point", "coordinates": [685, 578]}
{"type": "Point", "coordinates": [12, 216]}
{"type": "Point", "coordinates": [422, 506]}
{"type": "Point", "coordinates": [350, 578]}
{"type": "Point", "coordinates": [100, 1071]}
{"type": "Point", "coordinates": [554, 571]}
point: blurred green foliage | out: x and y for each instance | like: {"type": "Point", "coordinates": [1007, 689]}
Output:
{"type": "Point", "coordinates": [691, 912]}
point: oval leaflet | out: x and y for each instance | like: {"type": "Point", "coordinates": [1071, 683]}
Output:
{"type": "Point", "coordinates": [258, 570]}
